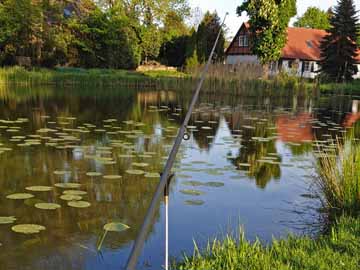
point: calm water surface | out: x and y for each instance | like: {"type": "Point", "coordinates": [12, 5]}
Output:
{"type": "Point", "coordinates": [248, 162]}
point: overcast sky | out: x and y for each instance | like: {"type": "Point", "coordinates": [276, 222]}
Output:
{"type": "Point", "coordinates": [233, 22]}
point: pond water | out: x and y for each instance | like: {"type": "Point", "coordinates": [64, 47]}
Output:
{"type": "Point", "coordinates": [249, 162]}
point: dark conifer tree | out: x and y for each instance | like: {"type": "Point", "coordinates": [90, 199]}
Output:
{"type": "Point", "coordinates": [339, 48]}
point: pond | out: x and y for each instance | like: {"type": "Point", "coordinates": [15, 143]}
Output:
{"type": "Point", "coordinates": [83, 158]}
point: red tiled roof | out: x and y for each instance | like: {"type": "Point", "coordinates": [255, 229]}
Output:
{"type": "Point", "coordinates": [302, 43]}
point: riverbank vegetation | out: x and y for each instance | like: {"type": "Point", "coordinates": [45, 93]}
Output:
{"type": "Point", "coordinates": [340, 249]}
{"type": "Point", "coordinates": [243, 80]}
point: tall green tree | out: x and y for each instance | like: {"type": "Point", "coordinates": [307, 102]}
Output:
{"type": "Point", "coordinates": [104, 40]}
{"type": "Point", "coordinates": [314, 18]}
{"type": "Point", "coordinates": [269, 20]}
{"type": "Point", "coordinates": [339, 48]}
{"type": "Point", "coordinates": [18, 21]}
{"type": "Point", "coordinates": [206, 36]}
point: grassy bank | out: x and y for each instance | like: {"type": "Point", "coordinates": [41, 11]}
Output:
{"type": "Point", "coordinates": [338, 250]}
{"type": "Point", "coordinates": [350, 88]}
{"type": "Point", "coordinates": [245, 80]}
{"type": "Point", "coordinates": [216, 81]}
{"type": "Point", "coordinates": [338, 186]}
{"type": "Point", "coordinates": [69, 76]}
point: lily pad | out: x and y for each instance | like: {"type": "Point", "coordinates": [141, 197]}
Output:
{"type": "Point", "coordinates": [75, 192]}
{"type": "Point", "coordinates": [67, 185]}
{"type": "Point", "coordinates": [152, 175]}
{"type": "Point", "coordinates": [28, 228]}
{"type": "Point", "coordinates": [112, 177]}
{"type": "Point", "coordinates": [47, 206]}
{"type": "Point", "coordinates": [70, 197]}
{"type": "Point", "coordinates": [61, 172]}
{"type": "Point", "coordinates": [39, 188]}
{"type": "Point", "coordinates": [7, 220]}
{"type": "Point", "coordinates": [93, 174]}
{"type": "Point", "coordinates": [191, 192]}
{"type": "Point", "coordinates": [115, 227]}
{"type": "Point", "coordinates": [79, 204]}
{"type": "Point", "coordinates": [20, 196]}
{"type": "Point", "coordinates": [140, 164]}
{"type": "Point", "coordinates": [194, 202]}
{"type": "Point", "coordinates": [135, 172]}
{"type": "Point", "coordinates": [192, 183]}
{"type": "Point", "coordinates": [214, 184]}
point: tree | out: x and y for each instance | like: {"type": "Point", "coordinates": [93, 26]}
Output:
{"type": "Point", "coordinates": [104, 40]}
{"type": "Point", "coordinates": [314, 18]}
{"type": "Point", "coordinates": [18, 20]}
{"type": "Point", "coordinates": [206, 36]}
{"type": "Point", "coordinates": [339, 48]}
{"type": "Point", "coordinates": [269, 20]}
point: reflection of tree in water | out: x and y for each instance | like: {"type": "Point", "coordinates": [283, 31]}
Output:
{"type": "Point", "coordinates": [74, 230]}
{"type": "Point", "coordinates": [253, 150]}
{"type": "Point", "coordinates": [204, 137]}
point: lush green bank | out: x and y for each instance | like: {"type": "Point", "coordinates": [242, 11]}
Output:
{"type": "Point", "coordinates": [349, 88]}
{"type": "Point", "coordinates": [20, 75]}
{"type": "Point", "coordinates": [340, 249]}
{"type": "Point", "coordinates": [167, 79]}
{"type": "Point", "coordinates": [173, 79]}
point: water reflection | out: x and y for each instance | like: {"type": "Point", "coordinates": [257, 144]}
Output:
{"type": "Point", "coordinates": [236, 144]}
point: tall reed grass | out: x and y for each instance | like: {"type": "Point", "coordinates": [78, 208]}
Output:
{"type": "Point", "coordinates": [338, 181]}
{"type": "Point", "coordinates": [242, 80]}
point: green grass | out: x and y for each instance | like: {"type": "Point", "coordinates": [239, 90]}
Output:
{"type": "Point", "coordinates": [349, 88]}
{"type": "Point", "coordinates": [283, 85]}
{"type": "Point", "coordinates": [69, 76]}
{"type": "Point", "coordinates": [340, 249]}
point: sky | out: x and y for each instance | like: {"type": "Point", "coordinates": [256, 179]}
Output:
{"type": "Point", "coordinates": [233, 22]}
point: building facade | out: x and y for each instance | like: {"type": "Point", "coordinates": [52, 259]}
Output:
{"type": "Point", "coordinates": [300, 56]}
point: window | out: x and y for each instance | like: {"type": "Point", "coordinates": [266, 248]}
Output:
{"type": "Point", "coordinates": [307, 66]}
{"type": "Point", "coordinates": [290, 63]}
{"type": "Point", "coordinates": [243, 41]}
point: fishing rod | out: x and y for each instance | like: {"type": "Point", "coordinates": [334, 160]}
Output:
{"type": "Point", "coordinates": [162, 188]}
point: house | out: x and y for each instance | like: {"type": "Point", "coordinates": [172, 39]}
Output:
{"type": "Point", "coordinates": [301, 54]}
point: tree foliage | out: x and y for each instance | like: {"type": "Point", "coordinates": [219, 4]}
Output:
{"type": "Point", "coordinates": [269, 20]}
{"type": "Point", "coordinates": [339, 48]}
{"type": "Point", "coordinates": [206, 36]}
{"type": "Point", "coordinates": [314, 18]}
{"type": "Point", "coordinates": [92, 33]}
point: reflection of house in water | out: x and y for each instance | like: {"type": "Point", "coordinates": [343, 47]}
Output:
{"type": "Point", "coordinates": [295, 129]}
{"type": "Point", "coordinates": [354, 116]}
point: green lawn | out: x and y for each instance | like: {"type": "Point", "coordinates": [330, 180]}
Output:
{"type": "Point", "coordinates": [340, 249]}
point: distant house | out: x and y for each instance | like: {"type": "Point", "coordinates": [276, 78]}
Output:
{"type": "Point", "coordinates": [300, 55]}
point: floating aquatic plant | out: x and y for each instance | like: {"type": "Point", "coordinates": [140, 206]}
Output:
{"type": "Point", "coordinates": [39, 188]}
{"type": "Point", "coordinates": [47, 206]}
{"type": "Point", "coordinates": [79, 204]}
{"type": "Point", "coordinates": [28, 228]}
{"type": "Point", "coordinates": [20, 196]}
{"type": "Point", "coordinates": [7, 220]}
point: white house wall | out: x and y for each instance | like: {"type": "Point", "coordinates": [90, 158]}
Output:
{"type": "Point", "coordinates": [236, 59]}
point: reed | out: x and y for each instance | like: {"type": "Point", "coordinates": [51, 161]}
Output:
{"type": "Point", "coordinates": [338, 180]}
{"type": "Point", "coordinates": [244, 80]}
